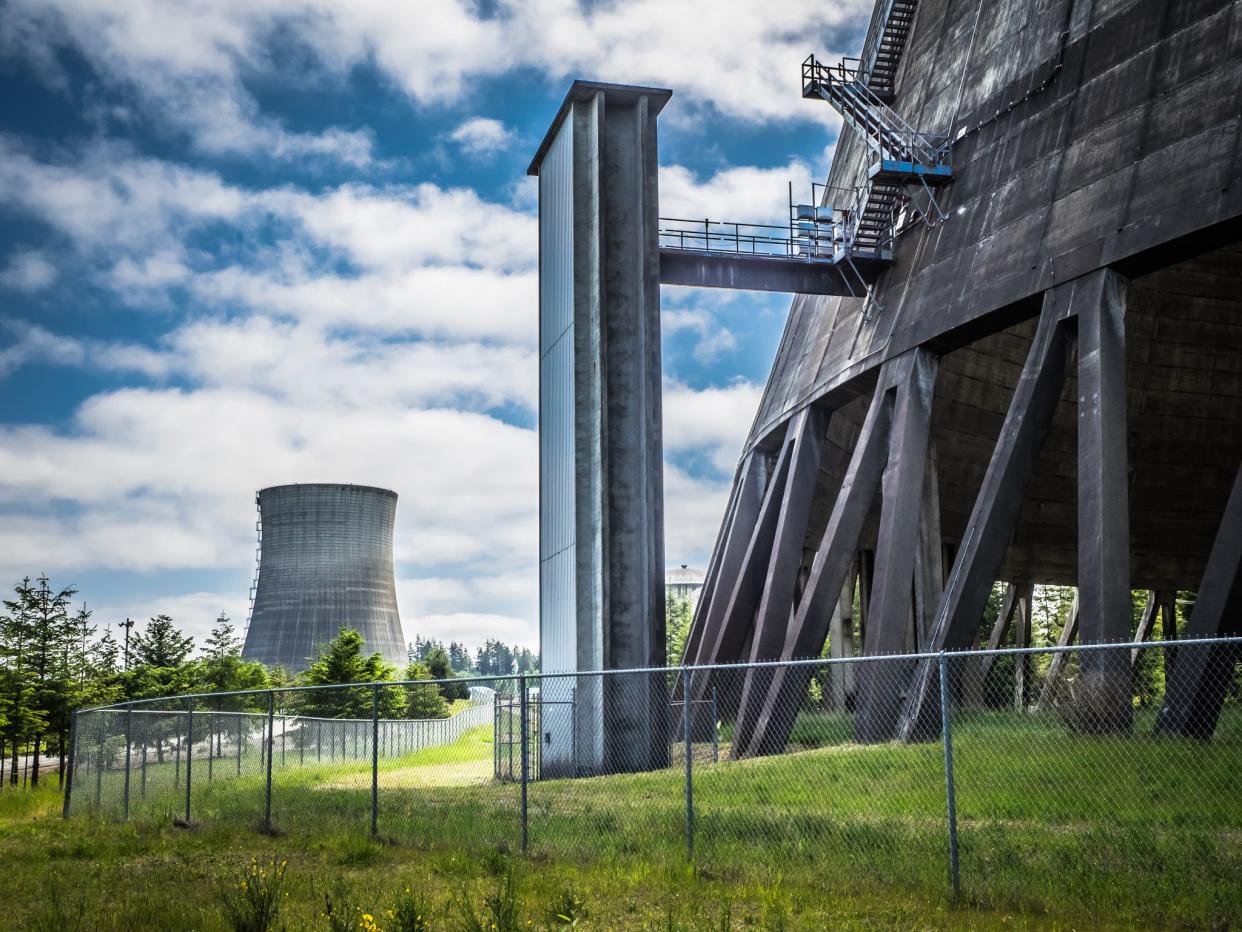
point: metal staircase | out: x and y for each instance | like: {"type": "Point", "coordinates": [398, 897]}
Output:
{"type": "Point", "coordinates": [258, 554]}
{"type": "Point", "coordinates": [880, 71]}
{"type": "Point", "coordinates": [902, 156]}
{"type": "Point", "coordinates": [905, 154]}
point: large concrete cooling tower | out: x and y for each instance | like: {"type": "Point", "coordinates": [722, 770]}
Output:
{"type": "Point", "coordinates": [325, 561]}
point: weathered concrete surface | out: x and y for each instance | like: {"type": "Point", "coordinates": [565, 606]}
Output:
{"type": "Point", "coordinates": [1130, 158]}
{"type": "Point", "coordinates": [1089, 135]}
{"type": "Point", "coordinates": [601, 455]}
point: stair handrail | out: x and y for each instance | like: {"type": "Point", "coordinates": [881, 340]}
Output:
{"type": "Point", "coordinates": [930, 149]}
{"type": "Point", "coordinates": [882, 13]}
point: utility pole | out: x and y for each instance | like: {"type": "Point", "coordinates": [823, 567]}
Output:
{"type": "Point", "coordinates": [126, 624]}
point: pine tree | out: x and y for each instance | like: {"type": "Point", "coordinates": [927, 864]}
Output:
{"type": "Point", "coordinates": [342, 661]}
{"type": "Point", "coordinates": [423, 700]}
{"type": "Point", "coordinates": [161, 644]}
{"type": "Point", "coordinates": [440, 668]}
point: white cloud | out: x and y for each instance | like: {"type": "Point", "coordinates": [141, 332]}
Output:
{"type": "Point", "coordinates": [482, 136]}
{"type": "Point", "coordinates": [27, 270]}
{"type": "Point", "coordinates": [741, 194]}
{"type": "Point", "coordinates": [714, 420]}
{"type": "Point", "coordinates": [189, 64]}
{"type": "Point", "coordinates": [31, 343]}
{"type": "Point", "coordinates": [361, 333]}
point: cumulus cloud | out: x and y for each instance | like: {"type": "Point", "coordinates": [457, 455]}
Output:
{"type": "Point", "coordinates": [714, 420]}
{"type": "Point", "coordinates": [360, 332]}
{"type": "Point", "coordinates": [482, 136]}
{"type": "Point", "coordinates": [28, 270]}
{"type": "Point", "coordinates": [190, 65]}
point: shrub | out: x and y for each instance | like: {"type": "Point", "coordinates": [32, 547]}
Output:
{"type": "Point", "coordinates": [252, 904]}
{"type": "Point", "coordinates": [411, 913]}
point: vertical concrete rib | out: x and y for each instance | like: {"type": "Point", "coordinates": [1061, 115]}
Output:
{"type": "Point", "coordinates": [997, 505]}
{"type": "Point", "coordinates": [1103, 500]}
{"type": "Point", "coordinates": [778, 706]}
{"type": "Point", "coordinates": [1201, 676]}
{"type": "Point", "coordinates": [805, 445]}
{"type": "Point", "coordinates": [897, 546]}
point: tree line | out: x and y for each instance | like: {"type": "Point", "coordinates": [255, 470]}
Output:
{"type": "Point", "coordinates": [494, 658]}
{"type": "Point", "coordinates": [54, 660]}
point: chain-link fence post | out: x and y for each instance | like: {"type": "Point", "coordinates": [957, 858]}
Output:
{"type": "Point", "coordinates": [73, 759]}
{"type": "Point", "coordinates": [267, 791]}
{"type": "Point", "coordinates": [686, 690]}
{"type": "Point", "coordinates": [189, 753]}
{"type": "Point", "coordinates": [375, 692]}
{"type": "Point", "coordinates": [129, 737]}
{"type": "Point", "coordinates": [525, 758]}
{"type": "Point", "coordinates": [950, 799]}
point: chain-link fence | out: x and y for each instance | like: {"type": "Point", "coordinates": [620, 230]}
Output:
{"type": "Point", "coordinates": [995, 772]}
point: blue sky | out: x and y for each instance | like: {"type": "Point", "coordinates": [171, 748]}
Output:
{"type": "Point", "coordinates": [250, 243]}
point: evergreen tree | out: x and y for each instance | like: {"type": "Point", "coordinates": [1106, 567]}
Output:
{"type": "Point", "coordinates": [440, 669]}
{"type": "Point", "coordinates": [678, 613]}
{"type": "Point", "coordinates": [222, 669]}
{"type": "Point", "coordinates": [423, 700]}
{"type": "Point", "coordinates": [161, 644]}
{"type": "Point", "coordinates": [342, 661]}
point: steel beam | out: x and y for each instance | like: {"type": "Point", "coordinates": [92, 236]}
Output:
{"type": "Point", "coordinates": [1104, 601]}
{"type": "Point", "coordinates": [806, 441]}
{"type": "Point", "coordinates": [897, 547]}
{"type": "Point", "coordinates": [997, 505]}
{"type": "Point", "coordinates": [1202, 676]}
{"type": "Point", "coordinates": [1147, 622]}
{"type": "Point", "coordinates": [778, 707]}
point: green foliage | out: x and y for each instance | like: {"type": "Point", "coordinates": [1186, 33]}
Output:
{"type": "Point", "coordinates": [252, 902]}
{"type": "Point", "coordinates": [160, 644]}
{"type": "Point", "coordinates": [423, 701]}
{"type": "Point", "coordinates": [497, 913]}
{"type": "Point", "coordinates": [411, 912]}
{"type": "Point", "coordinates": [440, 669]}
{"type": "Point", "coordinates": [342, 661]}
{"type": "Point", "coordinates": [569, 909]}
{"type": "Point", "coordinates": [222, 669]}
{"type": "Point", "coordinates": [678, 613]}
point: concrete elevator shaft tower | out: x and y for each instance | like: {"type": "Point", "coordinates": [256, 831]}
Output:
{"type": "Point", "coordinates": [601, 516]}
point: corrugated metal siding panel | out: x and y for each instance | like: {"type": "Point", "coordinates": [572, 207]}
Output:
{"type": "Point", "coordinates": [557, 554]}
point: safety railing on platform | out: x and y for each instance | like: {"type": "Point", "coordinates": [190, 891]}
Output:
{"type": "Point", "coordinates": [986, 771]}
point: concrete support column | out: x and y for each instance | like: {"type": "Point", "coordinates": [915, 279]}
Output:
{"type": "Point", "coordinates": [841, 646]}
{"type": "Point", "coordinates": [996, 508]}
{"type": "Point", "coordinates": [1201, 676]}
{"type": "Point", "coordinates": [802, 446]}
{"type": "Point", "coordinates": [601, 519]}
{"type": "Point", "coordinates": [1103, 501]}
{"type": "Point", "coordinates": [777, 706]}
{"type": "Point", "coordinates": [880, 687]}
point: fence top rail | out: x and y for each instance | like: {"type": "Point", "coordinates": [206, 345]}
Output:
{"type": "Point", "coordinates": [1235, 641]}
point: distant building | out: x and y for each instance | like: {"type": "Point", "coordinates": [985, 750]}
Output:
{"type": "Point", "coordinates": [325, 561]}
{"type": "Point", "coordinates": [684, 582]}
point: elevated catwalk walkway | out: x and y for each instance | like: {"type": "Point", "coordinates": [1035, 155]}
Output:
{"type": "Point", "coordinates": [838, 245]}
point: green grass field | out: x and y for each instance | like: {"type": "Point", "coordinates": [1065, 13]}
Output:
{"type": "Point", "coordinates": [1057, 831]}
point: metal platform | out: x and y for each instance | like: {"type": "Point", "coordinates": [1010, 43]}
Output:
{"type": "Point", "coordinates": [809, 256]}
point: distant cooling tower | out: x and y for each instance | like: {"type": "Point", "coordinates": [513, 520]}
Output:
{"type": "Point", "coordinates": [325, 561]}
